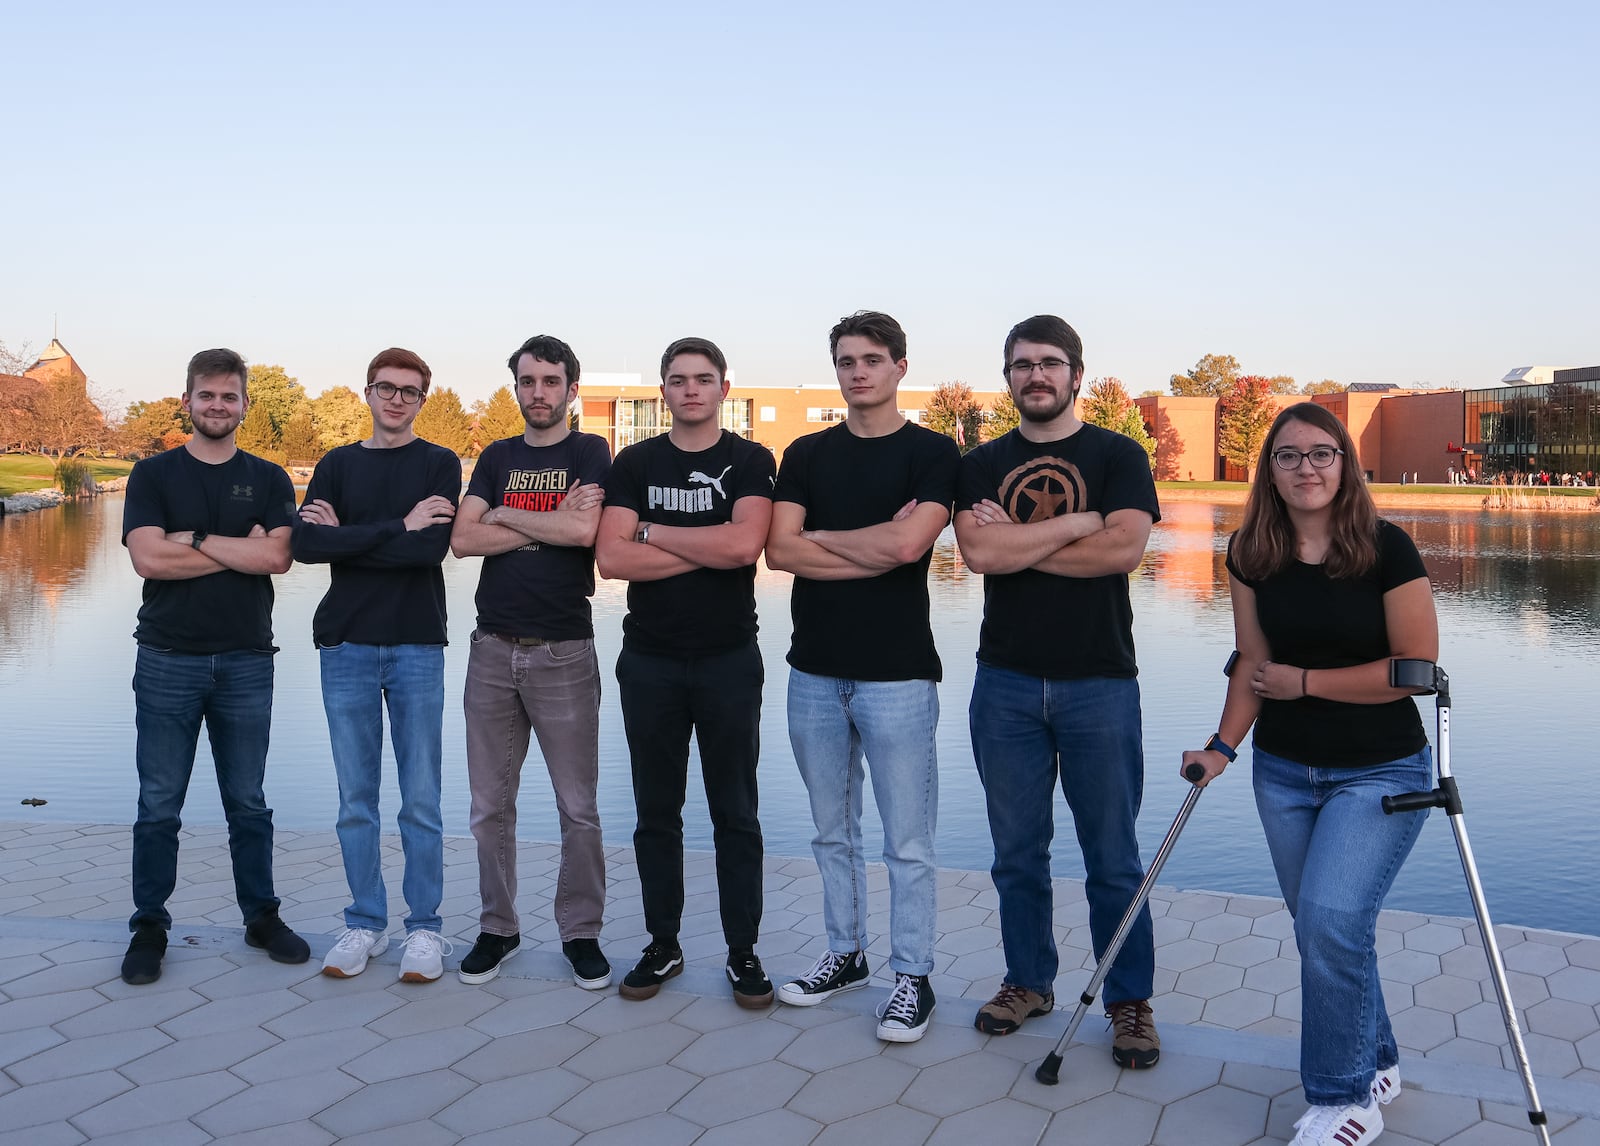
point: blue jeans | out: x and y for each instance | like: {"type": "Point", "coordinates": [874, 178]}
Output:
{"type": "Point", "coordinates": [1336, 856]}
{"type": "Point", "coordinates": [357, 680]}
{"type": "Point", "coordinates": [832, 722]}
{"type": "Point", "coordinates": [1026, 732]}
{"type": "Point", "coordinates": [172, 693]}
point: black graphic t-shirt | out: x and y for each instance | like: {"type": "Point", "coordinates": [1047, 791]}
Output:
{"type": "Point", "coordinates": [224, 611]}
{"type": "Point", "coordinates": [704, 610]}
{"type": "Point", "coordinates": [1062, 628]}
{"type": "Point", "coordinates": [1321, 622]}
{"type": "Point", "coordinates": [872, 628]}
{"type": "Point", "coordinates": [538, 590]}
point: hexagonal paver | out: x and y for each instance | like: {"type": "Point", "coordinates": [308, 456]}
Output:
{"type": "Point", "coordinates": [739, 1094]}
{"type": "Point", "coordinates": [1210, 979]}
{"type": "Point", "coordinates": [886, 1126]}
{"type": "Point", "coordinates": [1106, 1120]}
{"type": "Point", "coordinates": [1238, 1009]}
{"type": "Point", "coordinates": [1248, 951]}
{"type": "Point", "coordinates": [511, 1101]}
{"type": "Point", "coordinates": [845, 1091]}
{"type": "Point", "coordinates": [1185, 954]}
{"type": "Point", "coordinates": [1580, 984]}
{"type": "Point", "coordinates": [1447, 993]}
{"type": "Point", "coordinates": [958, 1084]}
{"type": "Point", "coordinates": [1216, 1116]}
{"type": "Point", "coordinates": [1434, 937]}
{"type": "Point", "coordinates": [616, 1100]}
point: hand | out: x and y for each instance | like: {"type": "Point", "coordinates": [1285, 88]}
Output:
{"type": "Point", "coordinates": [435, 510]}
{"type": "Point", "coordinates": [581, 498]}
{"type": "Point", "coordinates": [318, 512]}
{"type": "Point", "coordinates": [988, 512]}
{"type": "Point", "coordinates": [257, 530]}
{"type": "Point", "coordinates": [181, 537]}
{"type": "Point", "coordinates": [904, 511]}
{"type": "Point", "coordinates": [1213, 762]}
{"type": "Point", "coordinates": [1273, 681]}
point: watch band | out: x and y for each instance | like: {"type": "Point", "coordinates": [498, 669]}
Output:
{"type": "Point", "coordinates": [643, 536]}
{"type": "Point", "coordinates": [199, 536]}
{"type": "Point", "coordinates": [1218, 744]}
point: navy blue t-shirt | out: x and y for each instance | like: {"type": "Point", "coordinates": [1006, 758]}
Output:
{"type": "Point", "coordinates": [224, 611]}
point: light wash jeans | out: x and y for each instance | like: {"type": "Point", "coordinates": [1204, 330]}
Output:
{"type": "Point", "coordinates": [832, 722]}
{"type": "Point", "coordinates": [357, 681]}
{"type": "Point", "coordinates": [1028, 732]}
{"type": "Point", "coordinates": [1337, 855]}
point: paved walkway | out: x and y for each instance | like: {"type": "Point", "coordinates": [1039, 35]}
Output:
{"type": "Point", "coordinates": [228, 1046]}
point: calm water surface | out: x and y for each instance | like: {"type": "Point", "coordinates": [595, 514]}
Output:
{"type": "Point", "coordinates": [1518, 598]}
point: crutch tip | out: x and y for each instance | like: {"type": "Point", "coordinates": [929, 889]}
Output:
{"type": "Point", "coordinates": [1049, 1071]}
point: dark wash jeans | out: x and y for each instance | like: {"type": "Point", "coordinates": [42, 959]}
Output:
{"type": "Point", "coordinates": [173, 692]}
{"type": "Point", "coordinates": [717, 697]}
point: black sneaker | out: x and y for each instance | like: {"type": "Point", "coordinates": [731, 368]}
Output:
{"type": "Point", "coordinates": [751, 987]}
{"type": "Point", "coordinates": [833, 973]}
{"type": "Point", "coordinates": [142, 963]}
{"type": "Point", "coordinates": [273, 936]}
{"type": "Point", "coordinates": [903, 1018]}
{"type": "Point", "coordinates": [482, 963]}
{"type": "Point", "coordinates": [589, 967]}
{"type": "Point", "coordinates": [661, 961]}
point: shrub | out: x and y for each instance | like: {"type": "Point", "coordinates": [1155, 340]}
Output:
{"type": "Point", "coordinates": [72, 477]}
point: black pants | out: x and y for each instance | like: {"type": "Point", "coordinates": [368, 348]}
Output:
{"type": "Point", "coordinates": [718, 697]}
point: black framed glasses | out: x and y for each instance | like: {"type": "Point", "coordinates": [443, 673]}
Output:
{"type": "Point", "coordinates": [1022, 368]}
{"type": "Point", "coordinates": [1321, 457]}
{"type": "Point", "coordinates": [410, 395]}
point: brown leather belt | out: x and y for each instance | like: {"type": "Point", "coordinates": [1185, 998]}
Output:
{"type": "Point", "coordinates": [526, 642]}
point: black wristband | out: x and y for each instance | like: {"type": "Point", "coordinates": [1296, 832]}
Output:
{"type": "Point", "coordinates": [1218, 744]}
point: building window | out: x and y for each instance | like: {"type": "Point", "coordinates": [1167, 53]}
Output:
{"type": "Point", "coordinates": [641, 418]}
{"type": "Point", "coordinates": [769, 413]}
{"type": "Point", "coordinates": [734, 415]}
{"type": "Point", "coordinates": [826, 413]}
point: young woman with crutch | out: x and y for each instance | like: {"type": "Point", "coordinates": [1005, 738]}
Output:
{"type": "Point", "coordinates": [1325, 594]}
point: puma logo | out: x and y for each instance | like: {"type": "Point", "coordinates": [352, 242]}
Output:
{"type": "Point", "coordinates": [714, 482]}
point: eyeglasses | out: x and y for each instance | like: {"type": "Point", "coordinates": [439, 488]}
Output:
{"type": "Point", "coordinates": [1022, 368]}
{"type": "Point", "coordinates": [1288, 458]}
{"type": "Point", "coordinates": [410, 395]}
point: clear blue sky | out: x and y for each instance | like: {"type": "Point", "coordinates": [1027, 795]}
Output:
{"type": "Point", "coordinates": [1368, 192]}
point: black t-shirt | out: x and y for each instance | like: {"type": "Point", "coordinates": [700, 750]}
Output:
{"type": "Point", "coordinates": [538, 590]}
{"type": "Point", "coordinates": [1320, 622]}
{"type": "Point", "coordinates": [1042, 624]}
{"type": "Point", "coordinates": [704, 610]}
{"type": "Point", "coordinates": [386, 585]}
{"type": "Point", "coordinates": [872, 628]}
{"type": "Point", "coordinates": [224, 611]}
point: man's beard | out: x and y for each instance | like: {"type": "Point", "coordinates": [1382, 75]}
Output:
{"type": "Point", "coordinates": [1050, 413]}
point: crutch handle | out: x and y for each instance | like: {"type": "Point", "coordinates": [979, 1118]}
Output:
{"type": "Point", "coordinates": [1412, 802]}
{"type": "Point", "coordinates": [1194, 773]}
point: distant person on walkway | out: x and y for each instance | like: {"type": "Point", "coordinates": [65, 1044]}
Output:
{"type": "Point", "coordinates": [1055, 515]}
{"type": "Point", "coordinates": [531, 511]}
{"type": "Point", "coordinates": [685, 519]}
{"type": "Point", "coordinates": [379, 513]}
{"type": "Point", "coordinates": [206, 524]}
{"type": "Point", "coordinates": [855, 515]}
{"type": "Point", "coordinates": [1322, 585]}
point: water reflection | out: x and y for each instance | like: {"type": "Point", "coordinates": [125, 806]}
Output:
{"type": "Point", "coordinates": [1517, 596]}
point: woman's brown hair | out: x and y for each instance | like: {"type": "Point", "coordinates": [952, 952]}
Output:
{"type": "Point", "coordinates": [1265, 543]}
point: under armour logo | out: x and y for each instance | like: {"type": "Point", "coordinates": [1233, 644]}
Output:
{"type": "Point", "coordinates": [714, 482]}
{"type": "Point", "coordinates": [244, 491]}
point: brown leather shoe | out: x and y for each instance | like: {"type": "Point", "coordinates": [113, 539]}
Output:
{"type": "Point", "coordinates": [1135, 1043]}
{"type": "Point", "coordinates": [1010, 1008]}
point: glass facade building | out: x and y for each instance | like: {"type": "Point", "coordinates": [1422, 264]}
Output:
{"type": "Point", "coordinates": [1554, 428]}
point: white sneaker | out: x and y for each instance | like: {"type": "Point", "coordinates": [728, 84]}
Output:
{"type": "Point", "coordinates": [1351, 1125]}
{"type": "Point", "coordinates": [1386, 1085]}
{"type": "Point", "coordinates": [348, 957]}
{"type": "Point", "coordinates": [423, 961]}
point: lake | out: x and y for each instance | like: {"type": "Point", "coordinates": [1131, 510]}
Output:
{"type": "Point", "coordinates": [1517, 594]}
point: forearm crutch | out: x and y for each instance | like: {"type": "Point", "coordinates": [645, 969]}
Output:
{"type": "Point", "coordinates": [1049, 1071]}
{"type": "Point", "coordinates": [1426, 677]}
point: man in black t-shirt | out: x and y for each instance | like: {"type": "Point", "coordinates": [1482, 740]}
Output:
{"type": "Point", "coordinates": [1055, 515]}
{"type": "Point", "coordinates": [205, 525]}
{"type": "Point", "coordinates": [379, 513]}
{"type": "Point", "coordinates": [855, 514]}
{"type": "Point", "coordinates": [531, 511]}
{"type": "Point", "coordinates": [686, 517]}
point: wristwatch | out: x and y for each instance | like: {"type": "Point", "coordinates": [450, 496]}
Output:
{"type": "Point", "coordinates": [1218, 744]}
{"type": "Point", "coordinates": [643, 536]}
{"type": "Point", "coordinates": [199, 536]}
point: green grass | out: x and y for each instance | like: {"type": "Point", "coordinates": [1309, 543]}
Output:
{"type": "Point", "coordinates": [20, 473]}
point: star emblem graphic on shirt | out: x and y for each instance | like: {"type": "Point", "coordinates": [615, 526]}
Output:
{"type": "Point", "coordinates": [1041, 489]}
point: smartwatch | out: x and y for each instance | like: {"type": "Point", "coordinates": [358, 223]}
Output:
{"type": "Point", "coordinates": [199, 536]}
{"type": "Point", "coordinates": [1218, 744]}
{"type": "Point", "coordinates": [643, 536]}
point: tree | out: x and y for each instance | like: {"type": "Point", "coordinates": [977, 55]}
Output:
{"type": "Point", "coordinates": [1106, 404]}
{"type": "Point", "coordinates": [256, 434]}
{"type": "Point", "coordinates": [300, 441]}
{"type": "Point", "coordinates": [271, 388]}
{"type": "Point", "coordinates": [443, 421]}
{"type": "Point", "coordinates": [1001, 417]}
{"type": "Point", "coordinates": [341, 417]}
{"type": "Point", "coordinates": [147, 424]}
{"type": "Point", "coordinates": [64, 418]}
{"type": "Point", "coordinates": [1244, 416]}
{"type": "Point", "coordinates": [499, 417]}
{"type": "Point", "coordinates": [1326, 386]}
{"type": "Point", "coordinates": [16, 361]}
{"type": "Point", "coordinates": [1282, 384]}
{"type": "Point", "coordinates": [955, 413]}
{"type": "Point", "coordinates": [1213, 375]}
